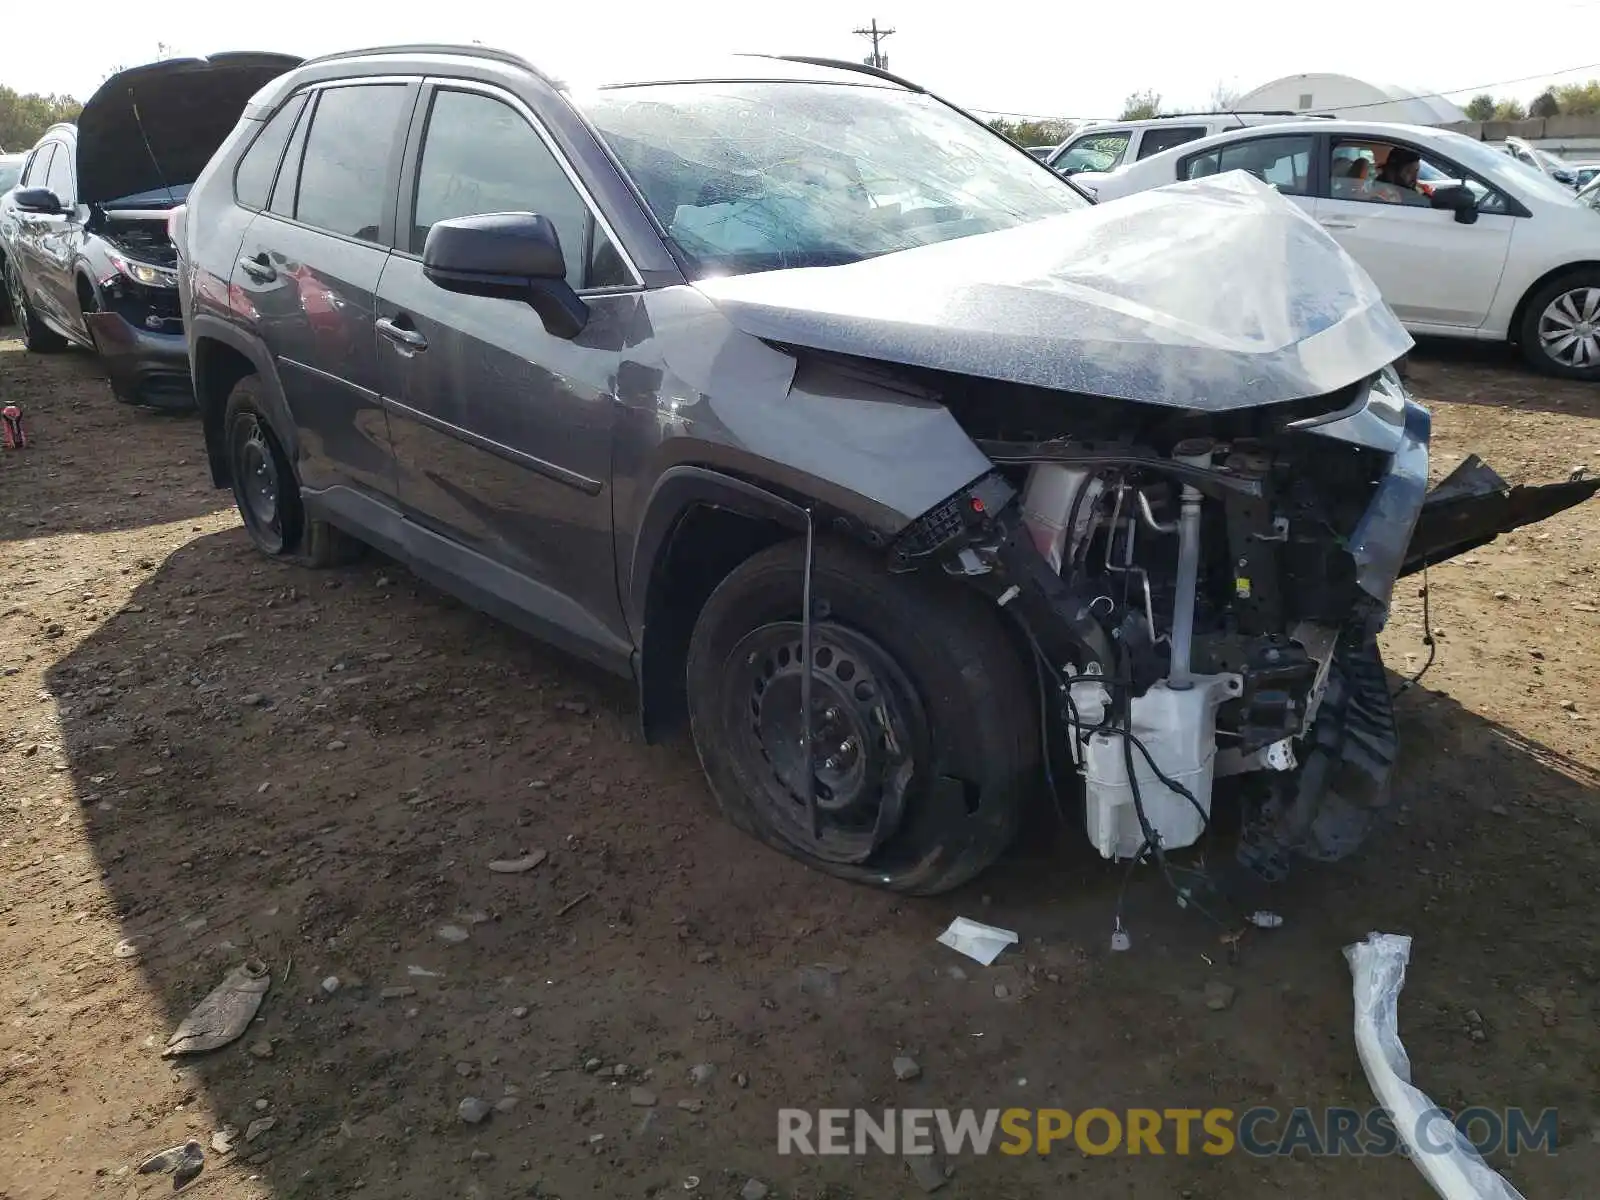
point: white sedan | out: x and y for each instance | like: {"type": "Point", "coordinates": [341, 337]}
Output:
{"type": "Point", "coordinates": [1462, 239]}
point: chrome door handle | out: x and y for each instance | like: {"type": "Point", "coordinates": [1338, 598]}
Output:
{"type": "Point", "coordinates": [409, 338]}
{"type": "Point", "coordinates": [259, 268]}
{"type": "Point", "coordinates": [1336, 223]}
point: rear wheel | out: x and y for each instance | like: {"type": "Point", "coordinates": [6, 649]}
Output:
{"type": "Point", "coordinates": [924, 726]}
{"type": "Point", "coordinates": [1561, 327]}
{"type": "Point", "coordinates": [37, 337]}
{"type": "Point", "coordinates": [267, 491]}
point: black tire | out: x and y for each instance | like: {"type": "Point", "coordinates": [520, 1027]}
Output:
{"type": "Point", "coordinates": [37, 337]}
{"type": "Point", "coordinates": [267, 490]}
{"type": "Point", "coordinates": [950, 779]}
{"type": "Point", "coordinates": [1550, 309]}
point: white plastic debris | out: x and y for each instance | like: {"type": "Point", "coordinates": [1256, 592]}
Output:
{"type": "Point", "coordinates": [979, 942]}
{"type": "Point", "coordinates": [224, 1014]}
{"type": "Point", "coordinates": [1265, 918]}
{"type": "Point", "coordinates": [1444, 1156]}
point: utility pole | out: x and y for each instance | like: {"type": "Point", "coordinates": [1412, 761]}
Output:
{"type": "Point", "coordinates": [876, 59]}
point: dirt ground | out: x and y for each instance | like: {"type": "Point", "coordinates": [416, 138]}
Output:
{"type": "Point", "coordinates": [219, 756]}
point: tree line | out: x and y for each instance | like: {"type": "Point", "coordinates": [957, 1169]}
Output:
{"type": "Point", "coordinates": [1571, 99]}
{"type": "Point", "coordinates": [24, 116]}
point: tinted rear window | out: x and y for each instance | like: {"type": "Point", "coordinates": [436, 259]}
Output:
{"type": "Point", "coordinates": [253, 180]}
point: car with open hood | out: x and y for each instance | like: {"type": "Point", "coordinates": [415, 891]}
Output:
{"type": "Point", "coordinates": [918, 486]}
{"type": "Point", "coordinates": [84, 251]}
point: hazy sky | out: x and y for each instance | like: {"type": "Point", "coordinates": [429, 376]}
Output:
{"type": "Point", "coordinates": [1046, 59]}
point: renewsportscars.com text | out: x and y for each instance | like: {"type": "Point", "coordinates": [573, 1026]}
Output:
{"type": "Point", "coordinates": [1260, 1131]}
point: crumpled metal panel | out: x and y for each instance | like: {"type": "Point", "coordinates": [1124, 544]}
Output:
{"type": "Point", "coordinates": [1212, 295]}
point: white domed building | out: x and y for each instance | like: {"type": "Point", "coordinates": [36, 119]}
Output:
{"type": "Point", "coordinates": [1347, 96]}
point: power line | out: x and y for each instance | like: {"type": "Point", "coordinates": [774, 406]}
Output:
{"type": "Point", "coordinates": [1440, 95]}
{"type": "Point", "coordinates": [1476, 87]}
{"type": "Point", "coordinates": [878, 59]}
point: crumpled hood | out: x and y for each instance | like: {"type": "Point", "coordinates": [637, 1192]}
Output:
{"type": "Point", "coordinates": [184, 107]}
{"type": "Point", "coordinates": [1210, 295]}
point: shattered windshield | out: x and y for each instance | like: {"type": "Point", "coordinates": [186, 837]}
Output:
{"type": "Point", "coordinates": [761, 176]}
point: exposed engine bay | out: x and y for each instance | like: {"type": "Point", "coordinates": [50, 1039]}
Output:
{"type": "Point", "coordinates": [1203, 605]}
{"type": "Point", "coordinates": [142, 237]}
{"type": "Point", "coordinates": [138, 282]}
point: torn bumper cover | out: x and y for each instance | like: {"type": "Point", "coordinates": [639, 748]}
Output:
{"type": "Point", "coordinates": [1472, 506]}
{"type": "Point", "coordinates": [145, 367]}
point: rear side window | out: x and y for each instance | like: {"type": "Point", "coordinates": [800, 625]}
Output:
{"type": "Point", "coordinates": [481, 156]}
{"type": "Point", "coordinates": [288, 184]}
{"type": "Point", "coordinates": [253, 180]}
{"type": "Point", "coordinates": [1166, 137]}
{"type": "Point", "coordinates": [1283, 161]}
{"type": "Point", "coordinates": [344, 175]}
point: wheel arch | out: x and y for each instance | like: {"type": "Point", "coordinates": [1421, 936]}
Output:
{"type": "Point", "coordinates": [85, 286]}
{"type": "Point", "coordinates": [220, 356]}
{"type": "Point", "coordinates": [698, 525]}
{"type": "Point", "coordinates": [1520, 312]}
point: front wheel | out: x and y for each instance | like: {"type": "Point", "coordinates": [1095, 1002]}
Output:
{"type": "Point", "coordinates": [1561, 327]}
{"type": "Point", "coordinates": [37, 337]}
{"type": "Point", "coordinates": [923, 719]}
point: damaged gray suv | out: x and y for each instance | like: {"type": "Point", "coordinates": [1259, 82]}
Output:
{"type": "Point", "coordinates": [918, 485]}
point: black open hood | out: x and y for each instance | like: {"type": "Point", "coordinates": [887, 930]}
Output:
{"type": "Point", "coordinates": [158, 125]}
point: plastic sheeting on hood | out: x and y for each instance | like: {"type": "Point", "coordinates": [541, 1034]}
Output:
{"type": "Point", "coordinates": [158, 125]}
{"type": "Point", "coordinates": [1211, 295]}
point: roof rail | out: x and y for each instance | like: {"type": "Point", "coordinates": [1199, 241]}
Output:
{"type": "Point", "coordinates": [469, 51]}
{"type": "Point", "coordinates": [844, 64]}
{"type": "Point", "coordinates": [1235, 112]}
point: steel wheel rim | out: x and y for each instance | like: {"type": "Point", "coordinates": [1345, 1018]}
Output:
{"type": "Point", "coordinates": [1569, 328]}
{"type": "Point", "coordinates": [256, 470]}
{"type": "Point", "coordinates": [868, 736]}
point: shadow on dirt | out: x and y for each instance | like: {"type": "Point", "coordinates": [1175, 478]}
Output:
{"type": "Point", "coordinates": [1494, 374]}
{"type": "Point", "coordinates": [318, 768]}
{"type": "Point", "coordinates": [65, 401]}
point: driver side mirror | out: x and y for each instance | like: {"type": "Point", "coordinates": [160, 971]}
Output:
{"type": "Point", "coordinates": [38, 200]}
{"type": "Point", "coordinates": [508, 256]}
{"type": "Point", "coordinates": [1457, 198]}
